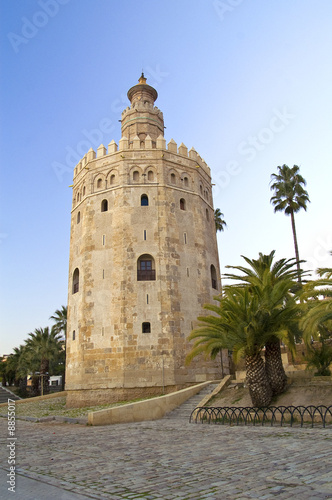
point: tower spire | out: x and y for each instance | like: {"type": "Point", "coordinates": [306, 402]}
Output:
{"type": "Point", "coordinates": [143, 118]}
{"type": "Point", "coordinates": [142, 78]}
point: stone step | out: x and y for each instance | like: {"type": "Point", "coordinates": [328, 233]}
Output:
{"type": "Point", "coordinates": [6, 394]}
{"type": "Point", "coordinates": [183, 411]}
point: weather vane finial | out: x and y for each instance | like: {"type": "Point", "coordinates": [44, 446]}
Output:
{"type": "Point", "coordinates": [142, 78]}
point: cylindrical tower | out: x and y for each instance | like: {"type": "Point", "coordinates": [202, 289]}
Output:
{"type": "Point", "coordinates": [143, 261]}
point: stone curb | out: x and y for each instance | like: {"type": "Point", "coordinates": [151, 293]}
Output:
{"type": "Point", "coordinates": [59, 483]}
{"type": "Point", "coordinates": [64, 420]}
{"type": "Point", "coordinates": [38, 398]}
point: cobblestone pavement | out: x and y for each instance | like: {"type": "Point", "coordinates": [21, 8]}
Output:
{"type": "Point", "coordinates": [169, 460]}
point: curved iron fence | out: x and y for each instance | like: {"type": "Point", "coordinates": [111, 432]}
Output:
{"type": "Point", "coordinates": [303, 416]}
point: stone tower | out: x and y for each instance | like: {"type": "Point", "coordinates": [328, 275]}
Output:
{"type": "Point", "coordinates": [143, 261]}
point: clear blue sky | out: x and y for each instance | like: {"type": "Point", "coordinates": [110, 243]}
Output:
{"type": "Point", "coordinates": [247, 84]}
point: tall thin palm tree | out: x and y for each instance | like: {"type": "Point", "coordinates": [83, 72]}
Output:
{"type": "Point", "coordinates": [60, 318]}
{"type": "Point", "coordinates": [289, 197]}
{"type": "Point", "coordinates": [219, 221]}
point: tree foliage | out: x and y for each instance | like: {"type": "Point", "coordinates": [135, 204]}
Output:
{"type": "Point", "coordinates": [219, 221]}
{"type": "Point", "coordinates": [289, 197]}
{"type": "Point", "coordinates": [317, 321]}
{"type": "Point", "coordinates": [261, 308]}
{"type": "Point", "coordinates": [42, 355]}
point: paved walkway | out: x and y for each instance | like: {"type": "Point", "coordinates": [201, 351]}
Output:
{"type": "Point", "coordinates": [172, 459]}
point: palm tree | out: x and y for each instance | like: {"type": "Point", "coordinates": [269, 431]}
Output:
{"type": "Point", "coordinates": [60, 318]}
{"type": "Point", "coordinates": [317, 321]}
{"type": "Point", "coordinates": [318, 306]}
{"type": "Point", "coordinates": [262, 277]}
{"type": "Point", "coordinates": [289, 197]}
{"type": "Point", "coordinates": [245, 320]}
{"type": "Point", "coordinates": [236, 325]}
{"type": "Point", "coordinates": [44, 346]}
{"type": "Point", "coordinates": [219, 221]}
{"type": "Point", "coordinates": [17, 368]}
{"type": "Point", "coordinates": [3, 370]}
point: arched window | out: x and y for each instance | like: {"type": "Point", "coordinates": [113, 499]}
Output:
{"type": "Point", "coordinates": [112, 181]}
{"type": "Point", "coordinates": [99, 183]}
{"type": "Point", "coordinates": [84, 191]}
{"type": "Point", "coordinates": [78, 217]}
{"type": "Point", "coordinates": [185, 181]}
{"type": "Point", "coordinates": [78, 197]}
{"type": "Point", "coordinates": [201, 189]}
{"type": "Point", "coordinates": [104, 206]}
{"type": "Point", "coordinates": [144, 200]}
{"type": "Point", "coordinates": [74, 335]}
{"type": "Point", "coordinates": [136, 175]}
{"type": "Point", "coordinates": [146, 268]}
{"type": "Point", "coordinates": [207, 214]}
{"type": "Point", "coordinates": [173, 178]}
{"type": "Point", "coordinates": [146, 327]}
{"type": "Point", "coordinates": [214, 277]}
{"type": "Point", "coordinates": [150, 175]}
{"type": "Point", "coordinates": [76, 280]}
{"type": "Point", "coordinates": [182, 204]}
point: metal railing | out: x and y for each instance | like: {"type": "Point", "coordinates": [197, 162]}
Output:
{"type": "Point", "coordinates": [146, 274]}
{"type": "Point", "coordinates": [302, 416]}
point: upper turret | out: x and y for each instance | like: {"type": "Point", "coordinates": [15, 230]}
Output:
{"type": "Point", "coordinates": [142, 92]}
{"type": "Point", "coordinates": [142, 118]}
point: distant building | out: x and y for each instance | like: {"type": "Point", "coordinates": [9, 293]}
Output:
{"type": "Point", "coordinates": [143, 261]}
{"type": "Point", "coordinates": [55, 380]}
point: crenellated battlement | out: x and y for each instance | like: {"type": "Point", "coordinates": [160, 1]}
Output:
{"type": "Point", "coordinates": [142, 107]}
{"type": "Point", "coordinates": [141, 145]}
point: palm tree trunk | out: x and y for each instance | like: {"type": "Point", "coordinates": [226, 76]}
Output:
{"type": "Point", "coordinates": [44, 366]}
{"type": "Point", "coordinates": [274, 368]}
{"type": "Point", "coordinates": [258, 384]}
{"type": "Point", "coordinates": [35, 385]}
{"type": "Point", "coordinates": [296, 247]}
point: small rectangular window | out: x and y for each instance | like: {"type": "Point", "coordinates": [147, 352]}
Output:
{"type": "Point", "coordinates": [187, 271]}
{"type": "Point", "coordinates": [146, 327]}
{"type": "Point", "coordinates": [103, 273]}
{"type": "Point", "coordinates": [74, 335]}
{"type": "Point", "coordinates": [185, 238]}
{"type": "Point", "coordinates": [144, 234]}
{"type": "Point", "coordinates": [104, 239]}
{"type": "Point", "coordinates": [147, 298]}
